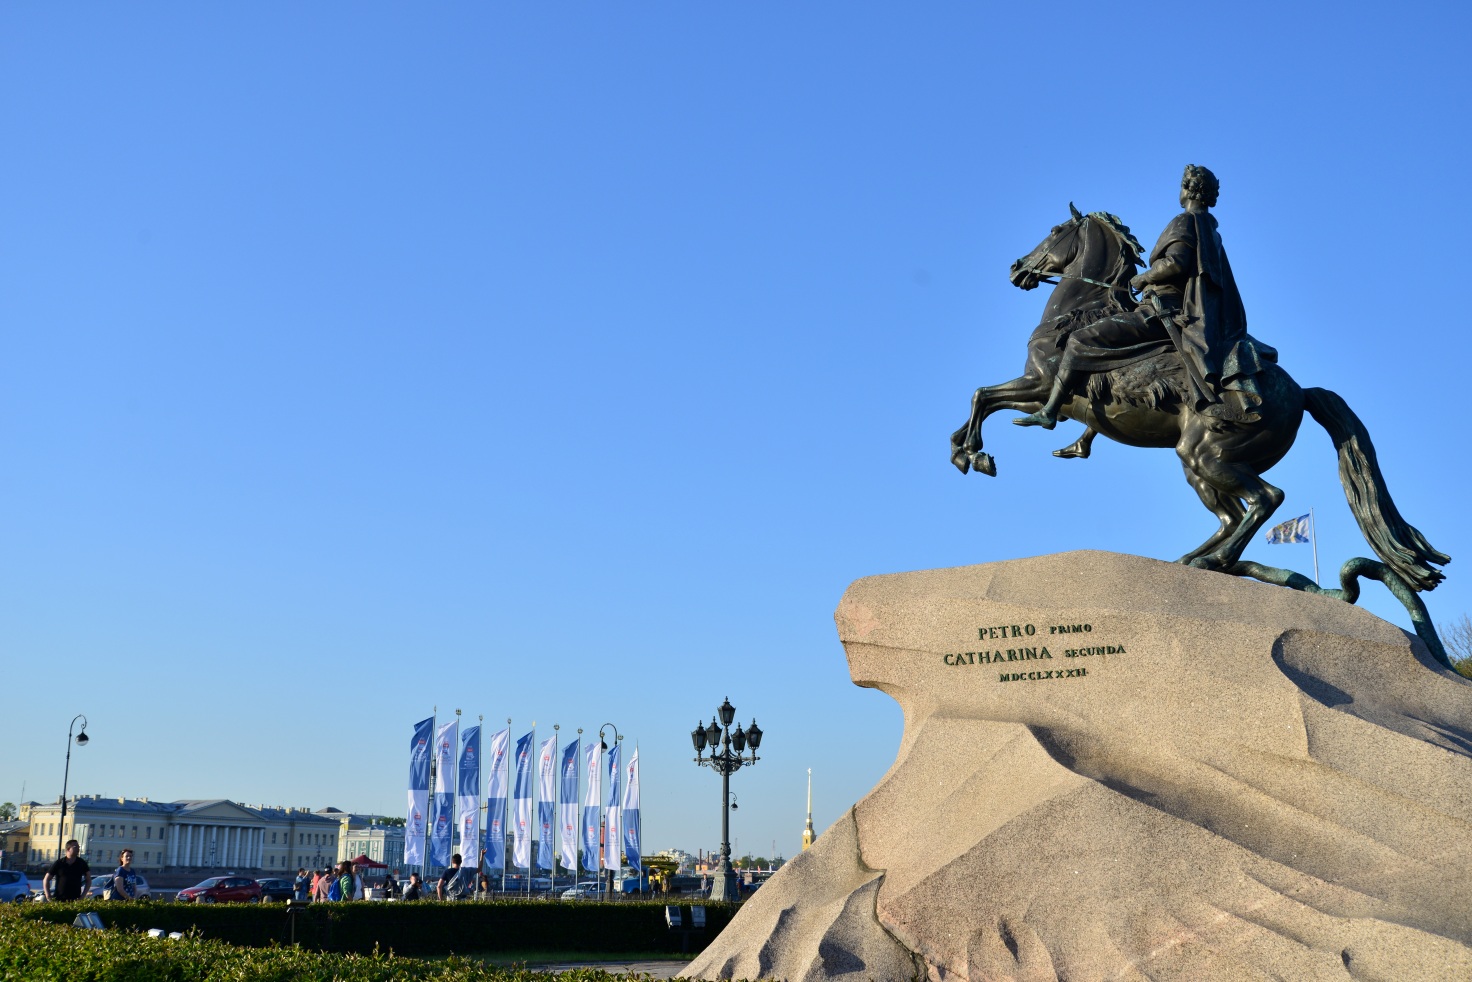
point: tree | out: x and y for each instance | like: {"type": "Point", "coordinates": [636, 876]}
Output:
{"type": "Point", "coordinates": [1456, 637]}
{"type": "Point", "coordinates": [7, 811]}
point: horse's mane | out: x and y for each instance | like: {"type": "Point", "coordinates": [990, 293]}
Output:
{"type": "Point", "coordinates": [1129, 245]}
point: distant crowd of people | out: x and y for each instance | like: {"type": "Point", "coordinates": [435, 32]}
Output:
{"type": "Point", "coordinates": [70, 878]}
{"type": "Point", "coordinates": [344, 882]}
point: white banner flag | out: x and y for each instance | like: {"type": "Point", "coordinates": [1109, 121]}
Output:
{"type": "Point", "coordinates": [592, 803]}
{"type": "Point", "coordinates": [467, 800]}
{"type": "Point", "coordinates": [567, 806]}
{"type": "Point", "coordinates": [441, 833]}
{"type": "Point", "coordinates": [546, 801]}
{"type": "Point", "coordinates": [521, 846]}
{"type": "Point", "coordinates": [632, 850]}
{"type": "Point", "coordinates": [612, 838]}
{"type": "Point", "coordinates": [498, 762]}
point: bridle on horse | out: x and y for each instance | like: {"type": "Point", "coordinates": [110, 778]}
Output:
{"type": "Point", "coordinates": [1079, 225]}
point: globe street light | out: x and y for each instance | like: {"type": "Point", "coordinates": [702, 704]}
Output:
{"type": "Point", "coordinates": [82, 739]}
{"type": "Point", "coordinates": [725, 763]}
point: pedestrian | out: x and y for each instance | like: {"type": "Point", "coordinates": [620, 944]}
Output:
{"type": "Point", "coordinates": [324, 886]}
{"type": "Point", "coordinates": [302, 888]}
{"type": "Point", "coordinates": [125, 880]}
{"type": "Point", "coordinates": [483, 887]}
{"type": "Point", "coordinates": [345, 885]}
{"type": "Point", "coordinates": [69, 878]}
{"type": "Point", "coordinates": [415, 889]}
{"type": "Point", "coordinates": [449, 886]}
{"type": "Point", "coordinates": [391, 886]}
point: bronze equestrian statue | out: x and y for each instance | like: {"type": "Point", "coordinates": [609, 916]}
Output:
{"type": "Point", "coordinates": [1177, 368]}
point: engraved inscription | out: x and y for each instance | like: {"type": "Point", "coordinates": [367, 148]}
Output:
{"type": "Point", "coordinates": [1025, 653]}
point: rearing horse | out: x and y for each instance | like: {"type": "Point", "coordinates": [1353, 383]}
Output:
{"type": "Point", "coordinates": [1143, 403]}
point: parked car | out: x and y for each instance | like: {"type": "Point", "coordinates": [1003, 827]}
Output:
{"type": "Point", "coordinates": [14, 886]}
{"type": "Point", "coordinates": [102, 882]}
{"type": "Point", "coordinates": [580, 892]}
{"type": "Point", "coordinates": [222, 890]}
{"type": "Point", "coordinates": [273, 890]}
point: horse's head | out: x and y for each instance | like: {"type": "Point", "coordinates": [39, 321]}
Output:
{"type": "Point", "coordinates": [1052, 255]}
{"type": "Point", "coordinates": [1094, 246]}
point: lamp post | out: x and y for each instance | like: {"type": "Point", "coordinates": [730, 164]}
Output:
{"type": "Point", "coordinates": [603, 818]}
{"type": "Point", "coordinates": [725, 763]}
{"type": "Point", "coordinates": [82, 739]}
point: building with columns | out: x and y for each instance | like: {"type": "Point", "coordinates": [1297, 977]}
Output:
{"type": "Point", "coordinates": [181, 836]}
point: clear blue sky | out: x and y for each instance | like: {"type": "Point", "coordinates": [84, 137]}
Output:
{"type": "Point", "coordinates": [566, 362]}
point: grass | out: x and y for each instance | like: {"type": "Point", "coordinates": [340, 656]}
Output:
{"type": "Point", "coordinates": [506, 959]}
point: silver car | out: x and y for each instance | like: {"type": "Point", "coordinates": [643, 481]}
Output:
{"type": "Point", "coordinates": [14, 886]}
{"type": "Point", "coordinates": [102, 886]}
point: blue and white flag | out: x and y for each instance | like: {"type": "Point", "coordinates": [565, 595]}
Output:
{"type": "Point", "coordinates": [446, 744]}
{"type": "Point", "coordinates": [415, 822]}
{"type": "Point", "coordinates": [592, 803]}
{"type": "Point", "coordinates": [546, 800]}
{"type": "Point", "coordinates": [567, 807]}
{"type": "Point", "coordinates": [498, 763]}
{"type": "Point", "coordinates": [521, 845]}
{"type": "Point", "coordinates": [468, 800]}
{"type": "Point", "coordinates": [1294, 530]}
{"type": "Point", "coordinates": [631, 811]}
{"type": "Point", "coordinates": [612, 839]}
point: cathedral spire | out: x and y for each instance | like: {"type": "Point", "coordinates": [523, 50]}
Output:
{"type": "Point", "coordinates": [808, 835]}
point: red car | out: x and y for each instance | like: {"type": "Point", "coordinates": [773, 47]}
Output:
{"type": "Point", "coordinates": [222, 890]}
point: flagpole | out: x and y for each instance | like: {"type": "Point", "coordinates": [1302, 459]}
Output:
{"type": "Point", "coordinates": [507, 785]}
{"type": "Point", "coordinates": [578, 808]}
{"type": "Point", "coordinates": [556, 797]}
{"type": "Point", "coordinates": [1313, 536]}
{"type": "Point", "coordinates": [434, 729]}
{"type": "Point", "coordinates": [455, 808]}
{"type": "Point", "coordinates": [533, 801]}
{"type": "Point", "coordinates": [480, 801]}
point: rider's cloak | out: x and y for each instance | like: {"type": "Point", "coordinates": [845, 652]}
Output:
{"type": "Point", "coordinates": [1213, 322]}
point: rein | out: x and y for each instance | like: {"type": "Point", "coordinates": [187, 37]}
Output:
{"type": "Point", "coordinates": [1073, 276]}
{"type": "Point", "coordinates": [1043, 277]}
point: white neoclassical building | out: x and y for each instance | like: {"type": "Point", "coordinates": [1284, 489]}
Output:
{"type": "Point", "coordinates": [214, 834]}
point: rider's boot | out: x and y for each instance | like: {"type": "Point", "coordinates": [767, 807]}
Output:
{"type": "Point", "coordinates": [1047, 417]}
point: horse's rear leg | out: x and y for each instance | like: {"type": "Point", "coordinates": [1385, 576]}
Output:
{"type": "Point", "coordinates": [1081, 447]}
{"type": "Point", "coordinates": [1225, 507]}
{"type": "Point", "coordinates": [1204, 456]}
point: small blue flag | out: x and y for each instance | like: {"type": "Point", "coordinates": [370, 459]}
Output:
{"type": "Point", "coordinates": [1293, 530]}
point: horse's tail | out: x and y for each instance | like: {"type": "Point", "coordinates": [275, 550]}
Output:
{"type": "Point", "coordinates": [1399, 544]}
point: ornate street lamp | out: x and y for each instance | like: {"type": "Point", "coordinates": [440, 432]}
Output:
{"type": "Point", "coordinates": [725, 763]}
{"type": "Point", "coordinates": [82, 739]}
{"type": "Point", "coordinates": [611, 876]}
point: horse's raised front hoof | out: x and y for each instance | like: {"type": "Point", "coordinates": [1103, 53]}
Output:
{"type": "Point", "coordinates": [961, 459]}
{"type": "Point", "coordinates": [984, 463]}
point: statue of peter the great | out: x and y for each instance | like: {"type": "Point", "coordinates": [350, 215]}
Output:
{"type": "Point", "coordinates": [1190, 297]}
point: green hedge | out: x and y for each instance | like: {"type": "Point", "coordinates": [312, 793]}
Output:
{"type": "Point", "coordinates": [421, 928]}
{"type": "Point", "coordinates": [36, 951]}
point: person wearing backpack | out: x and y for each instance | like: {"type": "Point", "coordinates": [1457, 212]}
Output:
{"type": "Point", "coordinates": [452, 885]}
{"type": "Point", "coordinates": [343, 886]}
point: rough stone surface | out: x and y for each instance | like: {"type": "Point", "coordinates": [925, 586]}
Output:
{"type": "Point", "coordinates": [1237, 781]}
